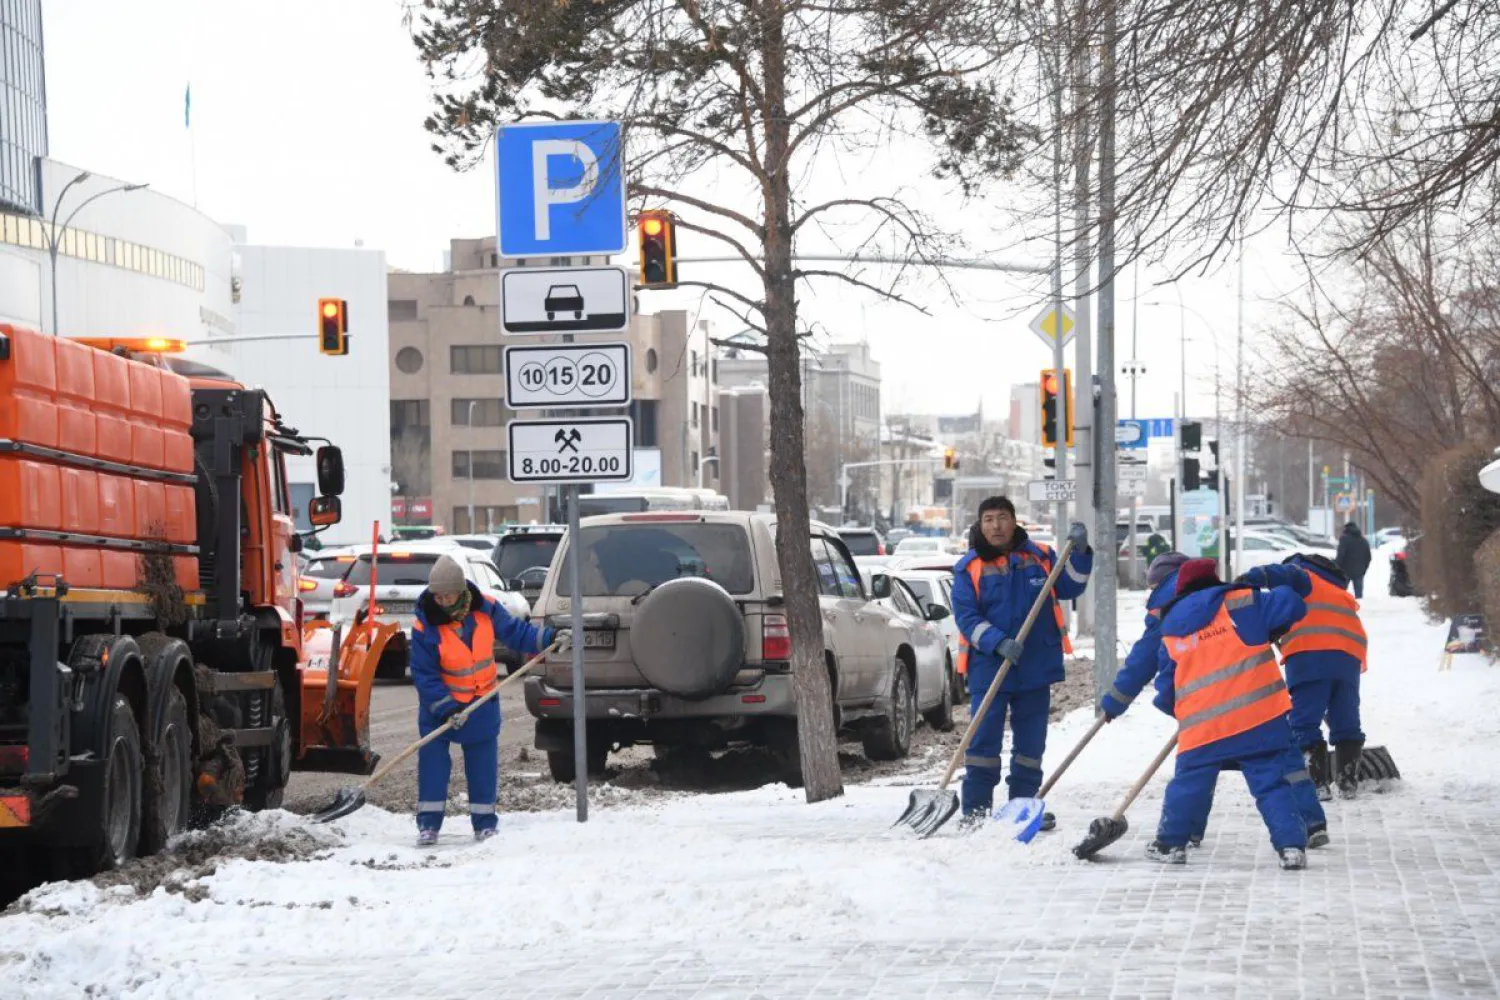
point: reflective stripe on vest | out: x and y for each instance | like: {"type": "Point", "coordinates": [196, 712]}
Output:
{"type": "Point", "coordinates": [1331, 623]}
{"type": "Point", "coordinates": [1224, 686]}
{"type": "Point", "coordinates": [978, 570]}
{"type": "Point", "coordinates": [468, 670]}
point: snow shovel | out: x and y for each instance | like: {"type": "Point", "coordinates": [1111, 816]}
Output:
{"type": "Point", "coordinates": [1375, 764]}
{"type": "Point", "coordinates": [1025, 815]}
{"type": "Point", "coordinates": [928, 809]}
{"type": "Point", "coordinates": [1107, 829]}
{"type": "Point", "coordinates": [351, 797]}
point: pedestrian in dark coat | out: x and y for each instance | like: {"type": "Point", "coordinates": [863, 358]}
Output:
{"type": "Point", "coordinates": [1353, 558]}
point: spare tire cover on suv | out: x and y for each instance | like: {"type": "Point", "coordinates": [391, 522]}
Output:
{"type": "Point", "coordinates": [688, 638]}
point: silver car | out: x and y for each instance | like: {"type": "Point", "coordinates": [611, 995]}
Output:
{"type": "Point", "coordinates": [316, 581]}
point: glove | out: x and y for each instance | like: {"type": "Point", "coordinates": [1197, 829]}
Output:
{"type": "Point", "coordinates": [1109, 711]}
{"type": "Point", "coordinates": [445, 710]}
{"type": "Point", "coordinates": [1079, 536]}
{"type": "Point", "coordinates": [1010, 649]}
{"type": "Point", "coordinates": [563, 637]}
{"type": "Point", "coordinates": [1254, 577]}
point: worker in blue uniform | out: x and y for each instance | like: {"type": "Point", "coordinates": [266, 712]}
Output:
{"type": "Point", "coordinates": [452, 664]}
{"type": "Point", "coordinates": [994, 587]}
{"type": "Point", "coordinates": [1218, 676]}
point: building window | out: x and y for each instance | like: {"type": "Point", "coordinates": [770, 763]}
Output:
{"type": "Point", "coordinates": [715, 414]}
{"type": "Point", "coordinates": [400, 310]}
{"type": "Point", "coordinates": [408, 360]}
{"type": "Point", "coordinates": [695, 364]}
{"type": "Point", "coordinates": [487, 413]}
{"type": "Point", "coordinates": [468, 300]}
{"type": "Point", "coordinates": [695, 414]}
{"type": "Point", "coordinates": [650, 361]}
{"type": "Point", "coordinates": [406, 413]}
{"type": "Point", "coordinates": [643, 411]}
{"type": "Point", "coordinates": [487, 464]}
{"type": "Point", "coordinates": [475, 360]}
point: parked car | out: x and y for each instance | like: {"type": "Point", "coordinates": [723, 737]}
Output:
{"type": "Point", "coordinates": [317, 580]}
{"type": "Point", "coordinates": [400, 577]}
{"type": "Point", "coordinates": [483, 543]}
{"type": "Point", "coordinates": [895, 535]}
{"type": "Point", "coordinates": [686, 643]}
{"type": "Point", "coordinates": [935, 587]}
{"type": "Point", "coordinates": [863, 541]}
{"type": "Point", "coordinates": [920, 545]}
{"type": "Point", "coordinates": [1263, 550]}
{"type": "Point", "coordinates": [523, 555]}
{"type": "Point", "coordinates": [1387, 535]}
{"type": "Point", "coordinates": [922, 623]}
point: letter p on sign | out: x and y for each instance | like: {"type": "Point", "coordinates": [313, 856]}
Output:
{"type": "Point", "coordinates": [545, 195]}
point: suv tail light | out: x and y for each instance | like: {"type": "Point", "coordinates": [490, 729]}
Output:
{"type": "Point", "coordinates": [880, 548]}
{"type": "Point", "coordinates": [775, 638]}
{"type": "Point", "coordinates": [342, 589]}
{"type": "Point", "coordinates": [306, 584]}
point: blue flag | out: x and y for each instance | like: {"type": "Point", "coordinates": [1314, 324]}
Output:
{"type": "Point", "coordinates": [187, 107]}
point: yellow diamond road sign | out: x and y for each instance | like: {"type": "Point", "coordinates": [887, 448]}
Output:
{"type": "Point", "coordinates": [1044, 325]}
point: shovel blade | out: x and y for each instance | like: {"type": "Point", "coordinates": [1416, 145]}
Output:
{"type": "Point", "coordinates": [1102, 832]}
{"type": "Point", "coordinates": [1023, 816]}
{"type": "Point", "coordinates": [927, 810]}
{"type": "Point", "coordinates": [348, 800]}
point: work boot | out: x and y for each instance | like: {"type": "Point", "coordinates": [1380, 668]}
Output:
{"type": "Point", "coordinates": [1196, 841]}
{"type": "Point", "coordinates": [972, 821]}
{"type": "Point", "coordinates": [483, 835]}
{"type": "Point", "coordinates": [1316, 757]}
{"type": "Point", "coordinates": [1346, 767]}
{"type": "Point", "coordinates": [1293, 859]}
{"type": "Point", "coordinates": [426, 838]}
{"type": "Point", "coordinates": [1317, 835]}
{"type": "Point", "coordinates": [1157, 851]}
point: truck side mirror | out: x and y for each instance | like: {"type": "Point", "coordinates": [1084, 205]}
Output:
{"type": "Point", "coordinates": [330, 463]}
{"type": "Point", "coordinates": [325, 511]}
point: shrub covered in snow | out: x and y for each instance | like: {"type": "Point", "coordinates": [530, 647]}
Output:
{"type": "Point", "coordinates": [1458, 515]}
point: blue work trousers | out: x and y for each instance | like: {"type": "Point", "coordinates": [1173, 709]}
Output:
{"type": "Point", "coordinates": [1028, 725]}
{"type": "Point", "coordinates": [480, 739]}
{"type": "Point", "coordinates": [1336, 700]}
{"type": "Point", "coordinates": [1272, 778]}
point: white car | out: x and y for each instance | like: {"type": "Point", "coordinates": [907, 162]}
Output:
{"type": "Point", "coordinates": [1265, 549]}
{"type": "Point", "coordinates": [318, 578]}
{"type": "Point", "coordinates": [923, 631]}
{"type": "Point", "coordinates": [1385, 536]}
{"type": "Point", "coordinates": [936, 587]}
{"type": "Point", "coordinates": [920, 545]}
{"type": "Point", "coordinates": [400, 577]}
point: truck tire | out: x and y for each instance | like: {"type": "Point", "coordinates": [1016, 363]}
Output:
{"type": "Point", "coordinates": [688, 638]}
{"type": "Point", "coordinates": [269, 789]}
{"type": "Point", "coordinates": [168, 798]}
{"type": "Point", "coordinates": [889, 737]}
{"type": "Point", "coordinates": [118, 838]}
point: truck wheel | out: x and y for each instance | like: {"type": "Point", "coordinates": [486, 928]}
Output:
{"type": "Point", "coordinates": [120, 809]}
{"type": "Point", "coordinates": [276, 760]}
{"type": "Point", "coordinates": [169, 787]}
{"type": "Point", "coordinates": [940, 716]}
{"type": "Point", "coordinates": [889, 737]}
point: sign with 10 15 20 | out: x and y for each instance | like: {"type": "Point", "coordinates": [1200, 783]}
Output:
{"type": "Point", "coordinates": [567, 375]}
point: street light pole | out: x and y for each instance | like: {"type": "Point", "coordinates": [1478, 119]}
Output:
{"type": "Point", "coordinates": [701, 463]}
{"type": "Point", "coordinates": [52, 229]}
{"type": "Point", "coordinates": [472, 531]}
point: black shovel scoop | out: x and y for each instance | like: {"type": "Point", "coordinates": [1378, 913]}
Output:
{"type": "Point", "coordinates": [1107, 829]}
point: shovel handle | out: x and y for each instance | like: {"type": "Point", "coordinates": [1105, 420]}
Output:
{"type": "Point", "coordinates": [1135, 790]}
{"type": "Point", "coordinates": [1005, 665]}
{"type": "Point", "coordinates": [458, 717]}
{"type": "Point", "coordinates": [1072, 755]}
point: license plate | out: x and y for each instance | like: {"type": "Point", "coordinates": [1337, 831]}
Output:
{"type": "Point", "coordinates": [598, 640]}
{"type": "Point", "coordinates": [399, 607]}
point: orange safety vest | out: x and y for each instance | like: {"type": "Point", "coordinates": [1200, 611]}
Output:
{"type": "Point", "coordinates": [1331, 623]}
{"type": "Point", "coordinates": [1224, 686]}
{"type": "Point", "coordinates": [469, 671]}
{"type": "Point", "coordinates": [976, 570]}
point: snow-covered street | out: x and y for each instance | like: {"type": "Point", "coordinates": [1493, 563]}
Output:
{"type": "Point", "coordinates": [757, 895]}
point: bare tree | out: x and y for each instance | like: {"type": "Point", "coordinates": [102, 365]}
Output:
{"type": "Point", "coordinates": [729, 105]}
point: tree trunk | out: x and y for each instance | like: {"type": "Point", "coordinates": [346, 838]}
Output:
{"type": "Point", "coordinates": [817, 739]}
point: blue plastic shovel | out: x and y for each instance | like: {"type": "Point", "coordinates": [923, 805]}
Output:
{"type": "Point", "coordinates": [1024, 816]}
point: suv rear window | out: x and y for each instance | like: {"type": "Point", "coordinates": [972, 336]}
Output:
{"type": "Point", "coordinates": [409, 570]}
{"type": "Point", "coordinates": [517, 553]}
{"type": "Point", "coordinates": [625, 559]}
{"type": "Point", "coordinates": [328, 569]}
{"type": "Point", "coordinates": [861, 543]}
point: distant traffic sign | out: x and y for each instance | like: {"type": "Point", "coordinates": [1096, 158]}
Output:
{"type": "Point", "coordinates": [567, 375]}
{"type": "Point", "coordinates": [581, 450]}
{"type": "Point", "coordinates": [1343, 503]}
{"type": "Point", "coordinates": [564, 300]}
{"type": "Point", "coordinates": [1052, 491]}
{"type": "Point", "coordinates": [1131, 479]}
{"type": "Point", "coordinates": [1044, 324]}
{"type": "Point", "coordinates": [1132, 433]}
{"type": "Point", "coordinates": [561, 189]}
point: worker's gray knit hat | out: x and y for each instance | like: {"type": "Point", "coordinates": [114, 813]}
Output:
{"type": "Point", "coordinates": [447, 576]}
{"type": "Point", "coordinates": [1162, 567]}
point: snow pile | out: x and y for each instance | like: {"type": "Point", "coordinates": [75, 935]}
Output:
{"type": "Point", "coordinates": [755, 885]}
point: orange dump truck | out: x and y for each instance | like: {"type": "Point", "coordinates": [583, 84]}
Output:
{"type": "Point", "coordinates": [152, 670]}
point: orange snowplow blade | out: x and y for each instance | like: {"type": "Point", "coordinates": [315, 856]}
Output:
{"type": "Point", "coordinates": [336, 716]}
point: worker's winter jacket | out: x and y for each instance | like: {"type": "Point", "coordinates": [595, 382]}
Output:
{"type": "Point", "coordinates": [447, 657]}
{"type": "Point", "coordinates": [1142, 662]}
{"type": "Point", "coordinates": [1329, 643]}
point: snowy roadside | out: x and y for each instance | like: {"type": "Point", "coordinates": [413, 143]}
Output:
{"type": "Point", "coordinates": [754, 893]}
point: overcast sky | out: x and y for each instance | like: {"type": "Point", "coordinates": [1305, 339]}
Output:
{"type": "Point", "coordinates": [307, 129]}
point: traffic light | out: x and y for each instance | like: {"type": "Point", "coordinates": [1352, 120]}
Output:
{"type": "Point", "coordinates": [1049, 396]}
{"type": "Point", "coordinates": [950, 458]}
{"type": "Point", "coordinates": [333, 327]}
{"type": "Point", "coordinates": [1191, 478]}
{"type": "Point", "coordinates": [657, 232]}
{"type": "Point", "coordinates": [1192, 435]}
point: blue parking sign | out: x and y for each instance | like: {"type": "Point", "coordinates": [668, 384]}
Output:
{"type": "Point", "coordinates": [561, 189]}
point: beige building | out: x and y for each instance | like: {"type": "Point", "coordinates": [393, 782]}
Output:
{"type": "Point", "coordinates": [448, 411]}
